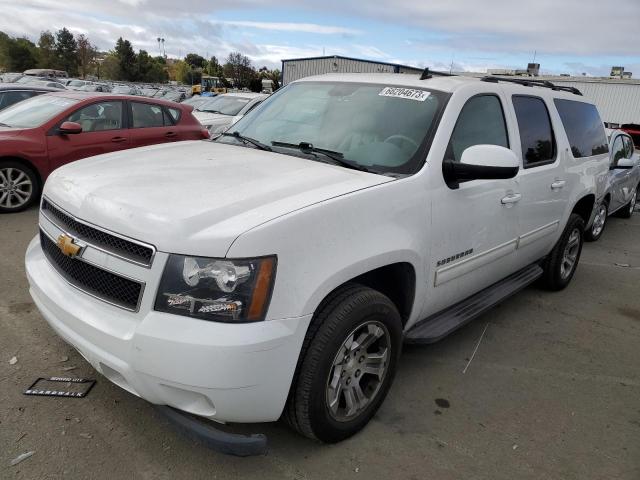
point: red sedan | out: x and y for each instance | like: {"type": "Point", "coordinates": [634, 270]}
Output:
{"type": "Point", "coordinates": [41, 134]}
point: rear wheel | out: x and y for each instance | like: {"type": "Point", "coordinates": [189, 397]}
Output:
{"type": "Point", "coordinates": [599, 222]}
{"type": "Point", "coordinates": [627, 210]}
{"type": "Point", "coordinates": [562, 262]}
{"type": "Point", "coordinates": [347, 364]}
{"type": "Point", "coordinates": [18, 187]}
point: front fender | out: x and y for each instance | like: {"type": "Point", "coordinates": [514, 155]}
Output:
{"type": "Point", "coordinates": [322, 246]}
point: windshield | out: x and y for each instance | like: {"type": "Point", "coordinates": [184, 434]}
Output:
{"type": "Point", "coordinates": [227, 105]}
{"type": "Point", "coordinates": [379, 127]}
{"type": "Point", "coordinates": [35, 111]}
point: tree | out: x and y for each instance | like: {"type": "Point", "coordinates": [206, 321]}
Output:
{"type": "Point", "coordinates": [238, 67]}
{"type": "Point", "coordinates": [214, 68]}
{"type": "Point", "coordinates": [126, 60]}
{"type": "Point", "coordinates": [47, 57]}
{"type": "Point", "coordinates": [86, 54]}
{"type": "Point", "coordinates": [67, 51]}
{"type": "Point", "coordinates": [19, 54]}
{"type": "Point", "coordinates": [109, 68]}
{"type": "Point", "coordinates": [195, 60]}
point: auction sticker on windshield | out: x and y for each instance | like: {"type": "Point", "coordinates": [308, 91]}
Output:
{"type": "Point", "coordinates": [408, 93]}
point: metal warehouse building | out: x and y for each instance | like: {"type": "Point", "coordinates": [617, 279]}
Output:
{"type": "Point", "coordinates": [617, 100]}
{"type": "Point", "coordinates": [296, 68]}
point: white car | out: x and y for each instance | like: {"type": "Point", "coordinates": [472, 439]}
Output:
{"type": "Point", "coordinates": [623, 183]}
{"type": "Point", "coordinates": [276, 271]}
{"type": "Point", "coordinates": [220, 112]}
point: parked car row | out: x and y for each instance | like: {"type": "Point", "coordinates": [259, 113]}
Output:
{"type": "Point", "coordinates": [275, 271]}
{"type": "Point", "coordinates": [44, 132]}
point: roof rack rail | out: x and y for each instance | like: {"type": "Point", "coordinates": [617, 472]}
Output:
{"type": "Point", "coordinates": [427, 74]}
{"type": "Point", "coordinates": [532, 83]}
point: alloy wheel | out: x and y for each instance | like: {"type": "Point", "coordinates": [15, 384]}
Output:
{"type": "Point", "coordinates": [598, 221]}
{"type": "Point", "coordinates": [16, 188]}
{"type": "Point", "coordinates": [358, 371]}
{"type": "Point", "coordinates": [570, 255]}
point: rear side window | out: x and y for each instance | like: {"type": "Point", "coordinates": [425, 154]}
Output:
{"type": "Point", "coordinates": [146, 115]}
{"type": "Point", "coordinates": [481, 121]}
{"type": "Point", "coordinates": [584, 127]}
{"type": "Point", "coordinates": [536, 132]}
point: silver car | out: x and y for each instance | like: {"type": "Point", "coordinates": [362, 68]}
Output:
{"type": "Point", "coordinates": [623, 183]}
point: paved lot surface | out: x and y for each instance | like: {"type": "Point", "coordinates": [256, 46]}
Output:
{"type": "Point", "coordinates": [553, 392]}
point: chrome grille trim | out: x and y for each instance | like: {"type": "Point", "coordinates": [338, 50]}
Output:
{"type": "Point", "coordinates": [70, 225]}
{"type": "Point", "coordinates": [90, 266]}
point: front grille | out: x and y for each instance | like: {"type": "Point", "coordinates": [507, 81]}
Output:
{"type": "Point", "coordinates": [118, 246]}
{"type": "Point", "coordinates": [99, 283]}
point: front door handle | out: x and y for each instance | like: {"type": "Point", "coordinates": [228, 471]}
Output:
{"type": "Point", "coordinates": [118, 139]}
{"type": "Point", "coordinates": [511, 198]}
{"type": "Point", "coordinates": [557, 185]}
{"type": "Point", "coordinates": [170, 135]}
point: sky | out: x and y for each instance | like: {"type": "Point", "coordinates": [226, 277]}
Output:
{"type": "Point", "coordinates": [564, 36]}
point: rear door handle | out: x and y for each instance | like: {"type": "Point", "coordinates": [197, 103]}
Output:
{"type": "Point", "coordinates": [512, 198]}
{"type": "Point", "coordinates": [118, 139]}
{"type": "Point", "coordinates": [557, 185]}
{"type": "Point", "coordinates": [170, 135]}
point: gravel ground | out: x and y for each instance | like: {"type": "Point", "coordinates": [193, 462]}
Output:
{"type": "Point", "coordinates": [552, 392]}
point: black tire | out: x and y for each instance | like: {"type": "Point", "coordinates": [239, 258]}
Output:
{"type": "Point", "coordinates": [594, 233]}
{"type": "Point", "coordinates": [343, 312]}
{"type": "Point", "coordinates": [556, 276]}
{"type": "Point", "coordinates": [627, 210]}
{"type": "Point", "coordinates": [33, 192]}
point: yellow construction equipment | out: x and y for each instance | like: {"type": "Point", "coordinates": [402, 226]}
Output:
{"type": "Point", "coordinates": [209, 84]}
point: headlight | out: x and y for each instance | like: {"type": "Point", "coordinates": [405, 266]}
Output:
{"type": "Point", "coordinates": [214, 289]}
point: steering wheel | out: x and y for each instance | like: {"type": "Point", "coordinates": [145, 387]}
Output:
{"type": "Point", "coordinates": [402, 138]}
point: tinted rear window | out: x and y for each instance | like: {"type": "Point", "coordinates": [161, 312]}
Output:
{"type": "Point", "coordinates": [584, 127]}
{"type": "Point", "coordinates": [536, 133]}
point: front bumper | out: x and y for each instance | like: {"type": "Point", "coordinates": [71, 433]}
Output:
{"type": "Point", "coordinates": [224, 372]}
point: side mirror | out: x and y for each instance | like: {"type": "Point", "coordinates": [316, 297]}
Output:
{"type": "Point", "coordinates": [70, 128]}
{"type": "Point", "coordinates": [481, 162]}
{"type": "Point", "coordinates": [623, 164]}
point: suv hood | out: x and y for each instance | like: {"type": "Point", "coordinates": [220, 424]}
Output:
{"type": "Point", "coordinates": [195, 197]}
{"type": "Point", "coordinates": [208, 118]}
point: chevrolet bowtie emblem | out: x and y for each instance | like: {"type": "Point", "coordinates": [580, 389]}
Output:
{"type": "Point", "coordinates": [66, 246]}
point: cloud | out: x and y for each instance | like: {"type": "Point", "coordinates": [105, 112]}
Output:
{"type": "Point", "coordinates": [294, 27]}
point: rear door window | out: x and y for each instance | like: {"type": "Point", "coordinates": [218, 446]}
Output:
{"type": "Point", "coordinates": [146, 115]}
{"type": "Point", "coordinates": [481, 121]}
{"type": "Point", "coordinates": [536, 132]}
{"type": "Point", "coordinates": [583, 126]}
{"type": "Point", "coordinates": [174, 115]}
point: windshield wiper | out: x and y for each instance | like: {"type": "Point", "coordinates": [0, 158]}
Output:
{"type": "Point", "coordinates": [337, 158]}
{"type": "Point", "coordinates": [250, 140]}
{"type": "Point", "coordinates": [4, 125]}
{"type": "Point", "coordinates": [210, 111]}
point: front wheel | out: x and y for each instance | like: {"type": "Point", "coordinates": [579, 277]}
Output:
{"type": "Point", "coordinates": [562, 262]}
{"type": "Point", "coordinates": [18, 187]}
{"type": "Point", "coordinates": [599, 222]}
{"type": "Point", "coordinates": [347, 364]}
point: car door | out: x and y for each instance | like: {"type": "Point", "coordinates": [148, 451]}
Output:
{"type": "Point", "coordinates": [474, 226]}
{"type": "Point", "coordinates": [618, 177]}
{"type": "Point", "coordinates": [627, 179]}
{"type": "Point", "coordinates": [103, 131]}
{"type": "Point", "coordinates": [542, 180]}
{"type": "Point", "coordinates": [151, 124]}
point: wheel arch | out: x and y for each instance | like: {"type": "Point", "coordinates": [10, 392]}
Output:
{"type": "Point", "coordinates": [584, 207]}
{"type": "Point", "coordinates": [395, 278]}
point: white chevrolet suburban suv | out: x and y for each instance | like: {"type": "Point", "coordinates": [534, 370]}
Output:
{"type": "Point", "coordinates": [276, 271]}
